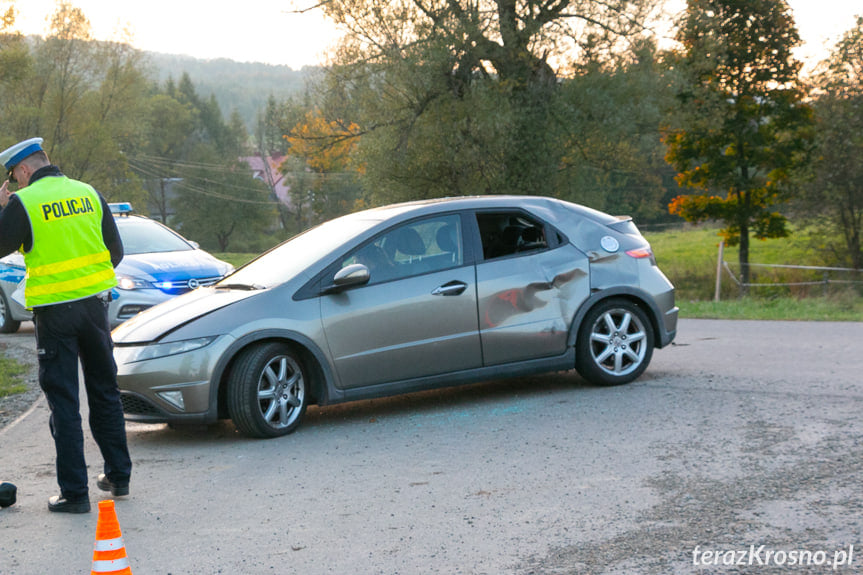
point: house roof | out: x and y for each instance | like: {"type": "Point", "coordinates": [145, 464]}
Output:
{"type": "Point", "coordinates": [266, 168]}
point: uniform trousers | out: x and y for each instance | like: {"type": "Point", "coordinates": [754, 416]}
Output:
{"type": "Point", "coordinates": [65, 333]}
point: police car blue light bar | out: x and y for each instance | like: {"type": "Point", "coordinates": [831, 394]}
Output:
{"type": "Point", "coordinates": [121, 208]}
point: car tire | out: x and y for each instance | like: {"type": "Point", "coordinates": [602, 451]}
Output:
{"type": "Point", "coordinates": [267, 390]}
{"type": "Point", "coordinates": [7, 324]}
{"type": "Point", "coordinates": [615, 343]}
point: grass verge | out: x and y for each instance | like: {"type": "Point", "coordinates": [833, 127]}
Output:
{"type": "Point", "coordinates": [838, 308]}
{"type": "Point", "coordinates": [236, 259]}
{"type": "Point", "coordinates": [10, 376]}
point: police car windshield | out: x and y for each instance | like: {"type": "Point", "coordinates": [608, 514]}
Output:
{"type": "Point", "coordinates": [142, 236]}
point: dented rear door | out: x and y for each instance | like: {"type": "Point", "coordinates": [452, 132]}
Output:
{"type": "Point", "coordinates": [527, 302]}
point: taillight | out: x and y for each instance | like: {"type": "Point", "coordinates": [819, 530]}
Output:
{"type": "Point", "coordinates": [640, 253]}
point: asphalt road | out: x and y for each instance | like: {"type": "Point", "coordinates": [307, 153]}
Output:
{"type": "Point", "coordinates": [742, 443]}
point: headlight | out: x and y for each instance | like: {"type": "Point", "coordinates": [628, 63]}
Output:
{"type": "Point", "coordinates": [130, 282]}
{"type": "Point", "coordinates": [156, 350]}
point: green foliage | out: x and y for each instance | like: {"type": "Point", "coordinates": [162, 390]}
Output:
{"type": "Point", "coordinates": [454, 98]}
{"type": "Point", "coordinates": [216, 200]}
{"type": "Point", "coordinates": [688, 256]}
{"type": "Point", "coordinates": [741, 126]}
{"type": "Point", "coordinates": [832, 189]}
{"type": "Point", "coordinates": [609, 116]}
{"type": "Point", "coordinates": [320, 170]}
{"type": "Point", "coordinates": [220, 206]}
{"type": "Point", "coordinates": [244, 88]}
{"type": "Point", "coordinates": [81, 96]}
{"type": "Point", "coordinates": [167, 149]}
{"type": "Point", "coordinates": [10, 376]}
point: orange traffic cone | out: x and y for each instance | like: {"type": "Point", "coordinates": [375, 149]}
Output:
{"type": "Point", "coordinates": [109, 552]}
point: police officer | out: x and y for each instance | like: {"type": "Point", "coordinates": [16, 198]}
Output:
{"type": "Point", "coordinates": [71, 246]}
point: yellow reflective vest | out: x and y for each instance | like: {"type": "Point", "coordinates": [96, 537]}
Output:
{"type": "Point", "coordinates": [69, 260]}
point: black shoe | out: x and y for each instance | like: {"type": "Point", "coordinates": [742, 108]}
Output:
{"type": "Point", "coordinates": [60, 504]}
{"type": "Point", "coordinates": [7, 494]}
{"type": "Point", "coordinates": [116, 489]}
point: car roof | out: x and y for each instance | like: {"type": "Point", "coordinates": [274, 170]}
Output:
{"type": "Point", "coordinates": [431, 206]}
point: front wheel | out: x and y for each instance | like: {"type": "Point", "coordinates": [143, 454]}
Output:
{"type": "Point", "coordinates": [267, 391]}
{"type": "Point", "coordinates": [7, 324]}
{"type": "Point", "coordinates": [615, 343]}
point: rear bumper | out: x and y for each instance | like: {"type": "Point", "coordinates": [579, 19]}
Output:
{"type": "Point", "coordinates": [667, 335]}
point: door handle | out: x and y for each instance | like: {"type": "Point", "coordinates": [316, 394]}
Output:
{"type": "Point", "coordinates": [450, 288]}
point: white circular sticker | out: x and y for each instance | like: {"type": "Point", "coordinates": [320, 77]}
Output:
{"type": "Point", "coordinates": [609, 244]}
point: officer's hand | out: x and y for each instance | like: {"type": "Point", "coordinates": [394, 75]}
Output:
{"type": "Point", "coordinates": [4, 194]}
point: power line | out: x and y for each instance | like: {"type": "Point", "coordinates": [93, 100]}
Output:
{"type": "Point", "coordinates": [170, 162]}
{"type": "Point", "coordinates": [153, 171]}
{"type": "Point", "coordinates": [182, 183]}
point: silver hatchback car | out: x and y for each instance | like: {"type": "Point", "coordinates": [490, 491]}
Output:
{"type": "Point", "coordinates": [399, 299]}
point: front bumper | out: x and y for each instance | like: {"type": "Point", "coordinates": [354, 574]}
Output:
{"type": "Point", "coordinates": [175, 388]}
{"type": "Point", "coordinates": [126, 304]}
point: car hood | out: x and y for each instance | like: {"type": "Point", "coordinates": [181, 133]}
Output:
{"type": "Point", "coordinates": [170, 266]}
{"type": "Point", "coordinates": [154, 323]}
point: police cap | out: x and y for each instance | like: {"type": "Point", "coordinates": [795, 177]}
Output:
{"type": "Point", "coordinates": [12, 156]}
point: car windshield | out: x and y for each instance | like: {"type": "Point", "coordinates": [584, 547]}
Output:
{"type": "Point", "coordinates": [292, 257]}
{"type": "Point", "coordinates": [142, 236]}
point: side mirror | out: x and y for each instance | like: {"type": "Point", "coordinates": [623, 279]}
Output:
{"type": "Point", "coordinates": [348, 276]}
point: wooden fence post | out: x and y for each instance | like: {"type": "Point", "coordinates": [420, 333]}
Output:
{"type": "Point", "coordinates": [719, 270]}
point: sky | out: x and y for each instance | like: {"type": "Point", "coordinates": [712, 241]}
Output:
{"type": "Point", "coordinates": [245, 31]}
{"type": "Point", "coordinates": [267, 31]}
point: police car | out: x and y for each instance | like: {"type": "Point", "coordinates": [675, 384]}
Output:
{"type": "Point", "coordinates": [158, 264]}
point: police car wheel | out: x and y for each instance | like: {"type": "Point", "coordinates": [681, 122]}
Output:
{"type": "Point", "coordinates": [268, 390]}
{"type": "Point", "coordinates": [7, 324]}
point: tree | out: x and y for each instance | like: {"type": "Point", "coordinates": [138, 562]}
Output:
{"type": "Point", "coordinates": [273, 123]}
{"type": "Point", "coordinates": [741, 126]}
{"type": "Point", "coordinates": [322, 178]}
{"type": "Point", "coordinates": [84, 97]}
{"type": "Point", "coordinates": [165, 135]}
{"type": "Point", "coordinates": [106, 122]}
{"type": "Point", "coordinates": [215, 198]}
{"type": "Point", "coordinates": [457, 97]}
{"type": "Point", "coordinates": [833, 193]}
{"type": "Point", "coordinates": [613, 154]}
{"type": "Point", "coordinates": [217, 202]}
{"type": "Point", "coordinates": [270, 130]}
{"type": "Point", "coordinates": [66, 71]}
{"type": "Point", "coordinates": [16, 66]}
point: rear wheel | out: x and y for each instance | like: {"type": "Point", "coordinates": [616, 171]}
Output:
{"type": "Point", "coordinates": [615, 343]}
{"type": "Point", "coordinates": [7, 324]}
{"type": "Point", "coordinates": [267, 390]}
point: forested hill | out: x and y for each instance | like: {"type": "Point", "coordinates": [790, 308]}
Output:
{"type": "Point", "coordinates": [244, 86]}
